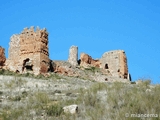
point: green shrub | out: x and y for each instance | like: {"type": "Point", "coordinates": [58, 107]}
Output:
{"type": "Point", "coordinates": [2, 72]}
{"type": "Point", "coordinates": [24, 94]}
{"type": "Point", "coordinates": [54, 110]}
{"type": "Point", "coordinates": [42, 97]}
{"type": "Point", "coordinates": [13, 114]}
{"type": "Point", "coordinates": [92, 69]}
{"type": "Point", "coordinates": [16, 98]}
{"type": "Point", "coordinates": [1, 92]}
{"type": "Point", "coordinates": [123, 99]}
{"type": "Point", "coordinates": [6, 72]}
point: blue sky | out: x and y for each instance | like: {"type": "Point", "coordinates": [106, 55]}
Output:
{"type": "Point", "coordinates": [95, 26]}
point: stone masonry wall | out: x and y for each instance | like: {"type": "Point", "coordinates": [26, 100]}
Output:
{"type": "Point", "coordinates": [116, 63]}
{"type": "Point", "coordinates": [73, 55]}
{"type": "Point", "coordinates": [2, 57]}
{"type": "Point", "coordinates": [28, 51]}
{"type": "Point", "coordinates": [12, 63]}
{"type": "Point", "coordinates": [87, 61]}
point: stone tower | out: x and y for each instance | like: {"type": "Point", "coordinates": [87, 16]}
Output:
{"type": "Point", "coordinates": [116, 63]}
{"type": "Point", "coordinates": [73, 55]}
{"type": "Point", "coordinates": [28, 51]}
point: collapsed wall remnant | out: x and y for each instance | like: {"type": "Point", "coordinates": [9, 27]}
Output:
{"type": "Point", "coordinates": [86, 61]}
{"type": "Point", "coordinates": [29, 51]}
{"type": "Point", "coordinates": [65, 68]}
{"type": "Point", "coordinates": [116, 62]}
{"type": "Point", "coordinates": [73, 55]}
{"type": "Point", "coordinates": [2, 57]}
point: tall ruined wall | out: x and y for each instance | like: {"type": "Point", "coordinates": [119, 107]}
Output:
{"type": "Point", "coordinates": [2, 57]}
{"type": "Point", "coordinates": [116, 63]}
{"type": "Point", "coordinates": [29, 51]}
{"type": "Point", "coordinates": [12, 63]}
{"type": "Point", "coordinates": [14, 47]}
{"type": "Point", "coordinates": [73, 55]}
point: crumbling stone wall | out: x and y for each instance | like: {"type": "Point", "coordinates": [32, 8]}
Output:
{"type": "Point", "coordinates": [28, 51]}
{"type": "Point", "coordinates": [115, 62]}
{"type": "Point", "coordinates": [12, 63]}
{"type": "Point", "coordinates": [87, 61]}
{"type": "Point", "coordinates": [73, 55]}
{"type": "Point", "coordinates": [2, 57]}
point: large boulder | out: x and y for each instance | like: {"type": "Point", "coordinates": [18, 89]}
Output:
{"type": "Point", "coordinates": [71, 109]}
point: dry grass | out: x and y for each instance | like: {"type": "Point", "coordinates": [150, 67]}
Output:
{"type": "Point", "coordinates": [100, 101]}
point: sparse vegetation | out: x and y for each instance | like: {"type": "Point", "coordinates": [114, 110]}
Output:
{"type": "Point", "coordinates": [54, 110]}
{"type": "Point", "coordinates": [28, 99]}
{"type": "Point", "coordinates": [6, 72]}
{"type": "Point", "coordinates": [93, 69]}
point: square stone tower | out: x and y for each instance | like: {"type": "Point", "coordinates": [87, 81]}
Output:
{"type": "Point", "coordinates": [116, 63]}
{"type": "Point", "coordinates": [28, 51]}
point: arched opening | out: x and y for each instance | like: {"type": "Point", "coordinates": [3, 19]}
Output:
{"type": "Point", "coordinates": [27, 65]}
{"type": "Point", "coordinates": [79, 61]}
{"type": "Point", "coordinates": [106, 66]}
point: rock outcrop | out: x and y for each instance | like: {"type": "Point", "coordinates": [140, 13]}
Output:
{"type": "Point", "coordinates": [28, 51]}
{"type": "Point", "coordinates": [2, 57]}
{"type": "Point", "coordinates": [87, 61]}
{"type": "Point", "coordinates": [116, 63]}
{"type": "Point", "coordinates": [73, 55]}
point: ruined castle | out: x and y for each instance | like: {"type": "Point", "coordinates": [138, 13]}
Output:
{"type": "Point", "coordinates": [28, 52]}
{"type": "Point", "coordinates": [113, 62]}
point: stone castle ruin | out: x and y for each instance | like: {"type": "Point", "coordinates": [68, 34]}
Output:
{"type": "Point", "coordinates": [28, 52]}
{"type": "Point", "coordinates": [112, 62]}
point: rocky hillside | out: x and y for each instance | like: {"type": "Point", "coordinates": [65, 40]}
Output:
{"type": "Point", "coordinates": [60, 97]}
